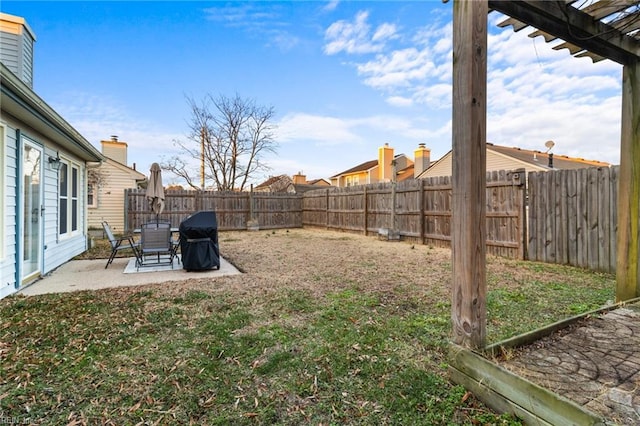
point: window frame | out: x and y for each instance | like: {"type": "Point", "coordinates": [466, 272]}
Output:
{"type": "Point", "coordinates": [69, 199]}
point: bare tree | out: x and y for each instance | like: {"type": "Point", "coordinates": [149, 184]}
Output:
{"type": "Point", "coordinates": [230, 136]}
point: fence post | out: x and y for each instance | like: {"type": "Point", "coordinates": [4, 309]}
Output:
{"type": "Point", "coordinates": [251, 212]}
{"type": "Point", "coordinates": [326, 222]}
{"type": "Point", "coordinates": [127, 191]}
{"type": "Point", "coordinates": [252, 223]}
{"type": "Point", "coordinates": [366, 211]}
{"type": "Point", "coordinates": [421, 209]}
{"type": "Point", "coordinates": [393, 233]}
{"type": "Point", "coordinates": [519, 180]}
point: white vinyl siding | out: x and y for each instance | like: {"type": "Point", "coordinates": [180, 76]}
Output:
{"type": "Point", "coordinates": [114, 179]}
{"type": "Point", "coordinates": [441, 168]}
{"type": "Point", "coordinates": [3, 211]}
{"type": "Point", "coordinates": [498, 161]}
{"type": "Point", "coordinates": [60, 248]}
{"type": "Point", "coordinates": [495, 161]}
{"type": "Point", "coordinates": [9, 181]}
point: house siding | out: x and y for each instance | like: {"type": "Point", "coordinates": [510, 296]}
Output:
{"type": "Point", "coordinates": [9, 53]}
{"type": "Point", "coordinates": [441, 168]}
{"type": "Point", "coordinates": [55, 250]}
{"type": "Point", "coordinates": [17, 48]}
{"type": "Point", "coordinates": [26, 65]}
{"type": "Point", "coordinates": [110, 207]}
{"type": "Point", "coordinates": [495, 161]}
{"type": "Point", "coordinates": [58, 250]}
{"type": "Point", "coordinates": [7, 261]}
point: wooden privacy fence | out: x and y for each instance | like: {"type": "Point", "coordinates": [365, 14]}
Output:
{"type": "Point", "coordinates": [233, 209]}
{"type": "Point", "coordinates": [415, 209]}
{"type": "Point", "coordinates": [572, 214]}
{"type": "Point", "coordinates": [421, 210]}
{"type": "Point", "coordinates": [573, 217]}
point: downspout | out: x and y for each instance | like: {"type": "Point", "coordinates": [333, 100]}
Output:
{"type": "Point", "coordinates": [18, 224]}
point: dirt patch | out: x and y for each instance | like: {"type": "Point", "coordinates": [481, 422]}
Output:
{"type": "Point", "coordinates": [321, 261]}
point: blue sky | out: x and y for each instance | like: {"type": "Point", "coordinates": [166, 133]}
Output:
{"type": "Point", "coordinates": [343, 77]}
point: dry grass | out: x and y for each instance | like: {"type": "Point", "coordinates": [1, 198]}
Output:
{"type": "Point", "coordinates": [323, 327]}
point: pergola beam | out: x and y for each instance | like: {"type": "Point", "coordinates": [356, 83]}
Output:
{"type": "Point", "coordinates": [628, 248]}
{"type": "Point", "coordinates": [573, 26]}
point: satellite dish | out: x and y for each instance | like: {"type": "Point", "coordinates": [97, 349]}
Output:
{"type": "Point", "coordinates": [549, 145]}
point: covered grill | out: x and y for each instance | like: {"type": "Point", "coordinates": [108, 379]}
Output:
{"type": "Point", "coordinates": [199, 242]}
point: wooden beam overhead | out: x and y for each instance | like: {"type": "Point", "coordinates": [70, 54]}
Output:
{"type": "Point", "coordinates": [626, 24]}
{"type": "Point", "coordinates": [574, 26]}
{"type": "Point", "coordinates": [517, 25]}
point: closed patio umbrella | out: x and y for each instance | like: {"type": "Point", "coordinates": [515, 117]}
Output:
{"type": "Point", "coordinates": [155, 191]}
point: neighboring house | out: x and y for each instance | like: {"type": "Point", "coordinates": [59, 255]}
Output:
{"type": "Point", "coordinates": [107, 184]}
{"type": "Point", "coordinates": [381, 170]}
{"type": "Point", "coordinates": [296, 184]}
{"type": "Point", "coordinates": [506, 158]}
{"type": "Point", "coordinates": [317, 182]}
{"type": "Point", "coordinates": [301, 184]}
{"type": "Point", "coordinates": [282, 183]}
{"type": "Point", "coordinates": [43, 161]}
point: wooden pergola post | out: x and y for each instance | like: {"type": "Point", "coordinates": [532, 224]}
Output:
{"type": "Point", "coordinates": [627, 271]}
{"type": "Point", "coordinates": [469, 285]}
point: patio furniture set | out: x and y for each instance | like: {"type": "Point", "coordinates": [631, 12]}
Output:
{"type": "Point", "coordinates": [198, 243]}
{"type": "Point", "coordinates": [156, 245]}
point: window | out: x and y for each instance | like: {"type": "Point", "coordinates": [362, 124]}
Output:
{"type": "Point", "coordinates": [69, 207]}
{"type": "Point", "coordinates": [92, 195]}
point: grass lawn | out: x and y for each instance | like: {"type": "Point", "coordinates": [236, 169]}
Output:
{"type": "Point", "coordinates": [322, 328]}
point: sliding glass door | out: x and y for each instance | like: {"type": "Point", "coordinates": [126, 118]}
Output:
{"type": "Point", "coordinates": [32, 155]}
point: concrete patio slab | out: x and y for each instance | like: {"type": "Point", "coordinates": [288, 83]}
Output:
{"type": "Point", "coordinates": [77, 275]}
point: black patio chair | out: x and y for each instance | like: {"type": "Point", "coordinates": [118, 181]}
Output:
{"type": "Point", "coordinates": [120, 243]}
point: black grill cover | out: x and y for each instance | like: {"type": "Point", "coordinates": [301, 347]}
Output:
{"type": "Point", "coordinates": [199, 242]}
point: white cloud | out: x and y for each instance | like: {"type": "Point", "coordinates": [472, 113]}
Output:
{"type": "Point", "coordinates": [331, 6]}
{"type": "Point", "coordinates": [98, 117]}
{"type": "Point", "coordinates": [534, 93]}
{"type": "Point", "coordinates": [399, 68]}
{"type": "Point", "coordinates": [384, 32]}
{"type": "Point", "coordinates": [241, 15]}
{"type": "Point", "coordinates": [437, 96]}
{"type": "Point", "coordinates": [283, 40]}
{"type": "Point", "coordinates": [399, 101]}
{"type": "Point", "coordinates": [537, 94]}
{"type": "Point", "coordinates": [354, 37]}
{"type": "Point", "coordinates": [323, 130]}
{"type": "Point", "coordinates": [263, 20]}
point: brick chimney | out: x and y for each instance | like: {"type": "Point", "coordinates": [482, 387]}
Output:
{"type": "Point", "coordinates": [422, 161]}
{"type": "Point", "coordinates": [385, 168]}
{"type": "Point", "coordinates": [115, 150]}
{"type": "Point", "coordinates": [299, 179]}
